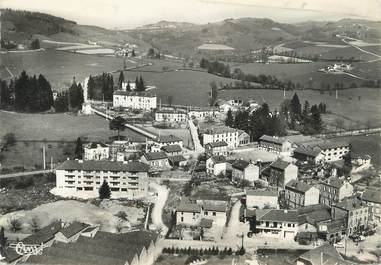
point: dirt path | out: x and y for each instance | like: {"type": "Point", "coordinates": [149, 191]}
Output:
{"type": "Point", "coordinates": [162, 195]}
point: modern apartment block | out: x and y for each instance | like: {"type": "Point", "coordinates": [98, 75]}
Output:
{"type": "Point", "coordinates": [80, 178]}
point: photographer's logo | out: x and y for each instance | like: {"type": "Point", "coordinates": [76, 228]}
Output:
{"type": "Point", "coordinates": [30, 250]}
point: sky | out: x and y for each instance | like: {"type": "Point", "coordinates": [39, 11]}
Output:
{"type": "Point", "coordinates": [126, 14]}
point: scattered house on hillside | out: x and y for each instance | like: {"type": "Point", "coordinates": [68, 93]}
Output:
{"type": "Point", "coordinates": [96, 151]}
{"type": "Point", "coordinates": [373, 199]}
{"type": "Point", "coordinates": [282, 224]}
{"type": "Point", "coordinates": [171, 150]}
{"type": "Point", "coordinates": [334, 190]}
{"type": "Point", "coordinates": [211, 133]}
{"type": "Point", "coordinates": [216, 149]}
{"type": "Point", "coordinates": [155, 159]}
{"type": "Point", "coordinates": [261, 199]}
{"type": "Point", "coordinates": [324, 254]}
{"type": "Point", "coordinates": [83, 178]}
{"type": "Point", "coordinates": [243, 138]}
{"type": "Point", "coordinates": [313, 156]}
{"type": "Point", "coordinates": [299, 194]}
{"type": "Point", "coordinates": [135, 100]}
{"type": "Point", "coordinates": [177, 161]}
{"type": "Point", "coordinates": [244, 170]}
{"type": "Point", "coordinates": [355, 213]}
{"type": "Point", "coordinates": [275, 144]}
{"type": "Point", "coordinates": [171, 116]}
{"type": "Point", "coordinates": [281, 172]}
{"type": "Point", "coordinates": [165, 140]}
{"type": "Point", "coordinates": [216, 165]}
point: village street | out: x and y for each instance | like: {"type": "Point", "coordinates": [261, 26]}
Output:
{"type": "Point", "coordinates": [161, 198]}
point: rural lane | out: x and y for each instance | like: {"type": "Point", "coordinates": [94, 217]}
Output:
{"type": "Point", "coordinates": [26, 173]}
{"type": "Point", "coordinates": [162, 195]}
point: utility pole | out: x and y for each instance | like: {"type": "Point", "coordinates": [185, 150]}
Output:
{"type": "Point", "coordinates": [51, 163]}
{"type": "Point", "coordinates": [43, 157]}
{"type": "Point", "coordinates": [337, 94]}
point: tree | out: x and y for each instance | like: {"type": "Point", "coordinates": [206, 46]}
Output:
{"type": "Point", "coordinates": [104, 191]}
{"type": "Point", "coordinates": [120, 80]}
{"type": "Point", "coordinates": [3, 239]}
{"type": "Point", "coordinates": [128, 87]}
{"type": "Point", "coordinates": [118, 125]}
{"type": "Point", "coordinates": [61, 102]}
{"type": "Point", "coordinates": [141, 86]}
{"type": "Point", "coordinates": [296, 108]}
{"type": "Point", "coordinates": [170, 100]}
{"type": "Point", "coordinates": [213, 93]}
{"type": "Point", "coordinates": [121, 215]}
{"type": "Point", "coordinates": [15, 225]}
{"type": "Point", "coordinates": [151, 52]}
{"type": "Point", "coordinates": [79, 149]}
{"type": "Point", "coordinates": [133, 53]}
{"type": "Point", "coordinates": [91, 88]}
{"type": "Point", "coordinates": [229, 118]}
{"type": "Point", "coordinates": [35, 224]}
{"type": "Point", "coordinates": [35, 44]}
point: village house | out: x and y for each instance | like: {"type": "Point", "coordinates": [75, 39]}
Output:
{"type": "Point", "coordinates": [155, 159]}
{"type": "Point", "coordinates": [96, 151]}
{"type": "Point", "coordinates": [177, 161]}
{"type": "Point", "coordinates": [324, 254]}
{"type": "Point", "coordinates": [171, 150]}
{"type": "Point", "coordinates": [216, 133]}
{"type": "Point", "coordinates": [275, 144]}
{"type": "Point", "coordinates": [216, 149]}
{"type": "Point", "coordinates": [261, 199]}
{"type": "Point", "coordinates": [299, 194]}
{"type": "Point", "coordinates": [171, 116]}
{"type": "Point", "coordinates": [372, 197]}
{"type": "Point", "coordinates": [216, 165]}
{"type": "Point", "coordinates": [83, 178]}
{"type": "Point", "coordinates": [215, 211]}
{"type": "Point", "coordinates": [135, 100]}
{"type": "Point", "coordinates": [281, 172]}
{"type": "Point", "coordinates": [188, 214]}
{"type": "Point", "coordinates": [243, 138]}
{"type": "Point", "coordinates": [334, 190]}
{"type": "Point", "coordinates": [200, 113]}
{"type": "Point", "coordinates": [360, 160]}
{"type": "Point", "coordinates": [244, 170]}
{"type": "Point", "coordinates": [355, 213]}
{"type": "Point", "coordinates": [313, 156]}
{"type": "Point", "coordinates": [165, 140]}
{"type": "Point", "coordinates": [282, 224]}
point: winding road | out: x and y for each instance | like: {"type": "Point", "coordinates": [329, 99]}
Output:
{"type": "Point", "coordinates": [162, 195]}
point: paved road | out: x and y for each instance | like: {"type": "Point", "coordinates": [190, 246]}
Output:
{"type": "Point", "coordinates": [26, 173]}
{"type": "Point", "coordinates": [157, 210]}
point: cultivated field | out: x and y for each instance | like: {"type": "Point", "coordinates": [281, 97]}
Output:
{"type": "Point", "coordinates": [59, 67]}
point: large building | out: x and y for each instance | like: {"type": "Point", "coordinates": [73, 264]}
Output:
{"type": "Point", "coordinates": [171, 116]}
{"type": "Point", "coordinates": [330, 151]}
{"type": "Point", "coordinates": [80, 178]}
{"type": "Point", "coordinates": [334, 190]}
{"type": "Point", "coordinates": [282, 224]}
{"type": "Point", "coordinates": [217, 133]}
{"type": "Point", "coordinates": [275, 144]}
{"type": "Point", "coordinates": [299, 194]}
{"type": "Point", "coordinates": [373, 199]}
{"type": "Point", "coordinates": [355, 213]}
{"type": "Point", "coordinates": [216, 148]}
{"type": "Point", "coordinates": [281, 172]}
{"type": "Point", "coordinates": [134, 100]}
{"type": "Point", "coordinates": [96, 151]}
{"type": "Point", "coordinates": [165, 140]}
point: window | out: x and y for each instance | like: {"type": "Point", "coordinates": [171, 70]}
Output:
{"type": "Point", "coordinates": [182, 219]}
{"type": "Point", "coordinates": [205, 213]}
{"type": "Point", "coordinates": [288, 225]}
{"type": "Point", "coordinates": [214, 213]}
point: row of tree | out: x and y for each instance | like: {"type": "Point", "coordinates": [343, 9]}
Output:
{"type": "Point", "coordinates": [27, 93]}
{"type": "Point", "coordinates": [69, 99]}
{"type": "Point", "coordinates": [139, 83]}
{"type": "Point", "coordinates": [101, 87]}
{"type": "Point", "coordinates": [292, 116]}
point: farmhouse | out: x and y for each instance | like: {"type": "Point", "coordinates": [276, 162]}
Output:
{"type": "Point", "coordinates": [355, 213]}
{"type": "Point", "coordinates": [134, 100]}
{"type": "Point", "coordinates": [216, 165]}
{"type": "Point", "coordinates": [83, 178]}
{"type": "Point", "coordinates": [275, 144]}
{"type": "Point", "coordinates": [155, 159]}
{"type": "Point", "coordinates": [299, 194]}
{"type": "Point", "coordinates": [244, 170]}
{"type": "Point", "coordinates": [96, 151]}
{"type": "Point", "coordinates": [261, 199]}
{"type": "Point", "coordinates": [281, 172]}
{"type": "Point", "coordinates": [282, 224]}
{"type": "Point", "coordinates": [171, 116]}
{"type": "Point", "coordinates": [216, 149]}
{"type": "Point", "coordinates": [217, 133]}
{"type": "Point", "coordinates": [334, 190]}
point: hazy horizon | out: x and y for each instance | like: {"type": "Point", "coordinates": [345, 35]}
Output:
{"type": "Point", "coordinates": [128, 14]}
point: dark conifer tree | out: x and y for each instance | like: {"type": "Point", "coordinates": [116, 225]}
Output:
{"type": "Point", "coordinates": [104, 191]}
